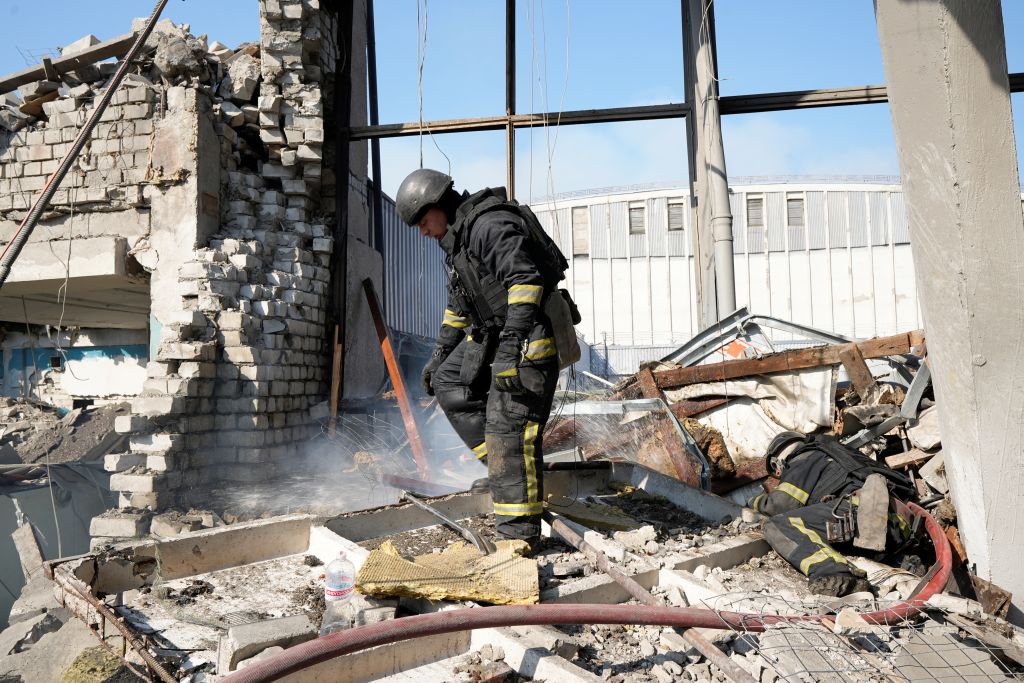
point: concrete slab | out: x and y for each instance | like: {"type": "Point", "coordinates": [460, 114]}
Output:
{"type": "Point", "coordinates": [938, 655]}
{"type": "Point", "coordinates": [424, 662]}
{"type": "Point", "coordinates": [229, 546]}
{"type": "Point", "coordinates": [247, 640]}
{"type": "Point", "coordinates": [529, 656]}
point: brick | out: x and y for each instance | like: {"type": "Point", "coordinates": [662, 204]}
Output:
{"type": "Point", "coordinates": [137, 482]}
{"type": "Point", "coordinates": [120, 524]}
{"type": "Point", "coordinates": [187, 351]}
{"type": "Point", "coordinates": [158, 405]}
{"type": "Point", "coordinates": [190, 369]}
{"type": "Point", "coordinates": [156, 443]}
{"type": "Point", "coordinates": [166, 462]}
{"type": "Point", "coordinates": [119, 462]}
{"type": "Point", "coordinates": [233, 320]}
{"type": "Point", "coordinates": [239, 354]}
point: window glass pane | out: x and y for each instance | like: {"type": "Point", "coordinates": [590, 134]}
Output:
{"type": "Point", "coordinates": [755, 211]}
{"type": "Point", "coordinates": [568, 53]}
{"type": "Point", "coordinates": [636, 219]}
{"type": "Point", "coordinates": [796, 45]}
{"type": "Point", "coordinates": [795, 211]}
{"type": "Point", "coordinates": [675, 215]}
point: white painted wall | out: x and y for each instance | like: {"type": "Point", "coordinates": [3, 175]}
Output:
{"type": "Point", "coordinates": [637, 290]}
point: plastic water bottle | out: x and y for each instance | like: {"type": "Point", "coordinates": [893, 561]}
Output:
{"type": "Point", "coordinates": [339, 584]}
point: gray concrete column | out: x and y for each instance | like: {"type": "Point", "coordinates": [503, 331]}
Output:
{"type": "Point", "coordinates": [945, 67]}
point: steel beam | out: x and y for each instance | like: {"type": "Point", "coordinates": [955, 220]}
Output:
{"type": "Point", "coordinates": [482, 123]}
{"type": "Point", "coordinates": [510, 97]}
{"type": "Point", "coordinates": [371, 84]}
{"type": "Point", "coordinates": [729, 104]}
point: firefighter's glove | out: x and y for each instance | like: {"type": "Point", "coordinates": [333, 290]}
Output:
{"type": "Point", "coordinates": [506, 368]}
{"type": "Point", "coordinates": [427, 376]}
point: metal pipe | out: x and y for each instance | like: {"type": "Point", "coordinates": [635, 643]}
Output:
{"type": "Point", "coordinates": [510, 97]}
{"type": "Point", "coordinates": [357, 639]}
{"type": "Point", "coordinates": [694, 638]}
{"type": "Point", "coordinates": [711, 167]}
{"type": "Point", "coordinates": [371, 84]}
{"type": "Point", "coordinates": [14, 247]}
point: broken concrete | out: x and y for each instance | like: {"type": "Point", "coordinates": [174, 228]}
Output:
{"type": "Point", "coordinates": [243, 642]}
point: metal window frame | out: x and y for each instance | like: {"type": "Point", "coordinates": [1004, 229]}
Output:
{"type": "Point", "coordinates": [683, 208]}
{"type": "Point", "coordinates": [753, 196]}
{"type": "Point", "coordinates": [630, 207]}
{"type": "Point", "coordinates": [510, 121]}
{"type": "Point", "coordinates": [801, 197]}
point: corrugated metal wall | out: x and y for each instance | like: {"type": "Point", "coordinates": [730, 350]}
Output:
{"type": "Point", "coordinates": [416, 282]}
{"type": "Point", "coordinates": [848, 268]}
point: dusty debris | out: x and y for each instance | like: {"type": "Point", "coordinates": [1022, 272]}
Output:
{"type": "Point", "coordinates": [39, 432]}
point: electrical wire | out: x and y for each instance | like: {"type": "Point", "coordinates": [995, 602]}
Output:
{"type": "Point", "coordinates": [422, 24]}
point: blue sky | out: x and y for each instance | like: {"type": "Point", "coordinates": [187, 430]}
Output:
{"type": "Point", "coordinates": [576, 55]}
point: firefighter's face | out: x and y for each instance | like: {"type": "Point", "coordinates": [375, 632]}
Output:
{"type": "Point", "coordinates": [434, 223]}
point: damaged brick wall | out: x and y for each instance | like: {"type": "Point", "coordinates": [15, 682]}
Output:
{"type": "Point", "coordinates": [231, 388]}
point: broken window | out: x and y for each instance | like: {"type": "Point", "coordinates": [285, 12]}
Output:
{"type": "Point", "coordinates": [795, 224]}
{"type": "Point", "coordinates": [636, 218]}
{"type": "Point", "coordinates": [676, 212]}
{"type": "Point", "coordinates": [580, 231]}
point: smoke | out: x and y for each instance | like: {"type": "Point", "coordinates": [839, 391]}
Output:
{"type": "Point", "coordinates": [353, 469]}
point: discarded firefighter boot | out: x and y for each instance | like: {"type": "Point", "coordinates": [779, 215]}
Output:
{"type": "Point", "coordinates": [913, 564]}
{"type": "Point", "coordinates": [838, 585]}
{"type": "Point", "coordinates": [481, 485]}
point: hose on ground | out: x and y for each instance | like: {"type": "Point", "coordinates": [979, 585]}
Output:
{"type": "Point", "coordinates": [373, 635]}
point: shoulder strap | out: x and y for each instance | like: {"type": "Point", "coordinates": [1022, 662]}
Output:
{"type": "Point", "coordinates": [859, 466]}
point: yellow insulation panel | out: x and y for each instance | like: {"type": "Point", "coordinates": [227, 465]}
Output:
{"type": "Point", "coordinates": [459, 572]}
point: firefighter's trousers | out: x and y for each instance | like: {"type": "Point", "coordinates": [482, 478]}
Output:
{"type": "Point", "coordinates": [800, 536]}
{"type": "Point", "coordinates": [503, 430]}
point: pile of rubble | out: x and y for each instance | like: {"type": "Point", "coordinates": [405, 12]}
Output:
{"type": "Point", "coordinates": [234, 139]}
{"type": "Point", "coordinates": [32, 432]}
{"type": "Point", "coordinates": [706, 414]}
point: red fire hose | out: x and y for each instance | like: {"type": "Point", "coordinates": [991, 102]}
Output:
{"type": "Point", "coordinates": [353, 640]}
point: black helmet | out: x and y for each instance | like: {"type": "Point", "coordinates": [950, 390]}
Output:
{"type": "Point", "coordinates": [777, 445]}
{"type": "Point", "coordinates": [419, 190]}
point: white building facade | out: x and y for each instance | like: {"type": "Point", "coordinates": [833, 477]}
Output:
{"type": "Point", "coordinates": [832, 253]}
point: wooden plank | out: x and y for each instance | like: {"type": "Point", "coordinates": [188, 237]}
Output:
{"type": "Point", "coordinates": [336, 361]}
{"type": "Point", "coordinates": [648, 387]}
{"type": "Point", "coordinates": [798, 359]}
{"type": "Point", "coordinates": [912, 457]}
{"type": "Point", "coordinates": [27, 545]}
{"type": "Point", "coordinates": [860, 376]}
{"type": "Point", "coordinates": [685, 409]}
{"type": "Point", "coordinates": [115, 47]}
{"type": "Point", "coordinates": [391, 361]}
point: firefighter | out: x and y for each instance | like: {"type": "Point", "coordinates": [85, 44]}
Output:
{"type": "Point", "coordinates": [814, 509]}
{"type": "Point", "coordinates": [495, 363]}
